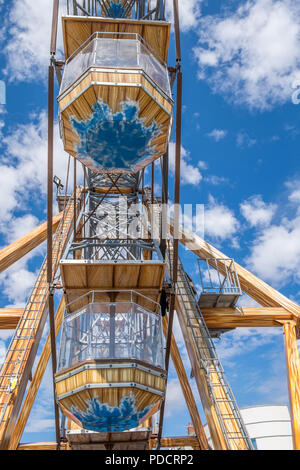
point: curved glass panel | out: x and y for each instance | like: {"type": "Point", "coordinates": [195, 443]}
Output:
{"type": "Point", "coordinates": [116, 53]}
{"type": "Point", "coordinates": [121, 330]}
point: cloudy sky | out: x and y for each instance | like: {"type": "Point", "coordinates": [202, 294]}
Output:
{"type": "Point", "coordinates": [240, 158]}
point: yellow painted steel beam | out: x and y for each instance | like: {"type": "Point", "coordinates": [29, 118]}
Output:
{"type": "Point", "coordinates": [293, 378]}
{"type": "Point", "coordinates": [16, 250]}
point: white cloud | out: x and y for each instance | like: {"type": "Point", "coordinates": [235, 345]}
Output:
{"type": "Point", "coordinates": [251, 55]}
{"type": "Point", "coordinates": [219, 220]}
{"type": "Point", "coordinates": [19, 226]}
{"type": "Point", "coordinates": [175, 401]}
{"type": "Point", "coordinates": [27, 32]}
{"type": "Point", "coordinates": [23, 165]}
{"type": "Point", "coordinates": [244, 340]}
{"type": "Point", "coordinates": [275, 254]}
{"type": "Point", "coordinates": [216, 180]}
{"type": "Point", "coordinates": [17, 281]}
{"type": "Point", "coordinates": [294, 188]}
{"type": "Point", "coordinates": [295, 196]}
{"type": "Point", "coordinates": [217, 134]}
{"type": "Point", "coordinates": [257, 212]}
{"type": "Point", "coordinates": [244, 140]}
{"type": "Point", "coordinates": [189, 13]}
{"type": "Point", "coordinates": [189, 173]}
{"type": "Point", "coordinates": [2, 352]}
{"type": "Point", "coordinates": [42, 415]}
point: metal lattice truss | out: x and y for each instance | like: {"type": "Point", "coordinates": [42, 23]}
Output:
{"type": "Point", "coordinates": [137, 9]}
{"type": "Point", "coordinates": [113, 226]}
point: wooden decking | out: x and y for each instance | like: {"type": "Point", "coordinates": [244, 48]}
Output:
{"type": "Point", "coordinates": [77, 29]}
{"type": "Point", "coordinates": [80, 277]}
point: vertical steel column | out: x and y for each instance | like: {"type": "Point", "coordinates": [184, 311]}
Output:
{"type": "Point", "coordinates": [75, 184]}
{"type": "Point", "coordinates": [165, 200]}
{"type": "Point", "coordinates": [176, 204]}
{"type": "Point", "coordinates": [49, 239]}
{"type": "Point", "coordinates": [50, 207]}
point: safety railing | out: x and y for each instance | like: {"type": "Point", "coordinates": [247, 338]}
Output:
{"type": "Point", "coordinates": [219, 276]}
{"type": "Point", "coordinates": [116, 51]}
{"type": "Point", "coordinates": [112, 330]}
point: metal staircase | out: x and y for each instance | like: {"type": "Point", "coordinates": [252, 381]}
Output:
{"type": "Point", "coordinates": [228, 414]}
{"type": "Point", "coordinates": [16, 370]}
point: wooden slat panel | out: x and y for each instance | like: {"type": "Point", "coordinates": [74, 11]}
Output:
{"type": "Point", "coordinates": [76, 30]}
{"type": "Point", "coordinates": [126, 276]}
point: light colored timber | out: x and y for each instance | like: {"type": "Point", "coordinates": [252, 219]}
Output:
{"type": "Point", "coordinates": [9, 318]}
{"type": "Point", "coordinates": [36, 381]}
{"type": "Point", "coordinates": [114, 88]}
{"type": "Point", "coordinates": [76, 30]}
{"type": "Point", "coordinates": [293, 378]}
{"type": "Point", "coordinates": [246, 317]}
{"type": "Point", "coordinates": [257, 289]}
{"type": "Point", "coordinates": [216, 431]}
{"type": "Point", "coordinates": [79, 385]}
{"type": "Point", "coordinates": [16, 369]}
{"type": "Point", "coordinates": [225, 433]}
{"type": "Point", "coordinates": [79, 277]}
{"type": "Point", "coordinates": [201, 438]}
{"type": "Point", "coordinates": [43, 446]}
{"type": "Point", "coordinates": [180, 441]}
{"type": "Point", "coordinates": [16, 250]}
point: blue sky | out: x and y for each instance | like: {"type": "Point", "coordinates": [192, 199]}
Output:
{"type": "Point", "coordinates": [240, 158]}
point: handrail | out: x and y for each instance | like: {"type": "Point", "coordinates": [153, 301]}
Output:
{"type": "Point", "coordinates": [131, 291]}
{"type": "Point", "coordinates": [137, 36]}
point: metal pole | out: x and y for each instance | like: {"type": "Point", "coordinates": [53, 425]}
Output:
{"type": "Point", "coordinates": [75, 199]}
{"type": "Point", "coordinates": [152, 184]}
{"type": "Point", "coordinates": [54, 27]}
{"type": "Point", "coordinates": [50, 207]}
{"type": "Point", "coordinates": [49, 241]}
{"type": "Point", "coordinates": [176, 203]}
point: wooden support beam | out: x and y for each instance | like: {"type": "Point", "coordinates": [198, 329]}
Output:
{"type": "Point", "coordinates": [257, 289]}
{"type": "Point", "coordinates": [246, 317]}
{"type": "Point", "coordinates": [21, 354]}
{"type": "Point", "coordinates": [9, 318]}
{"type": "Point", "coordinates": [200, 377]}
{"type": "Point", "coordinates": [16, 250]}
{"type": "Point", "coordinates": [43, 446]}
{"type": "Point", "coordinates": [35, 383]}
{"type": "Point", "coordinates": [293, 378]}
{"type": "Point", "coordinates": [187, 391]}
{"type": "Point", "coordinates": [105, 190]}
{"type": "Point", "coordinates": [184, 441]}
